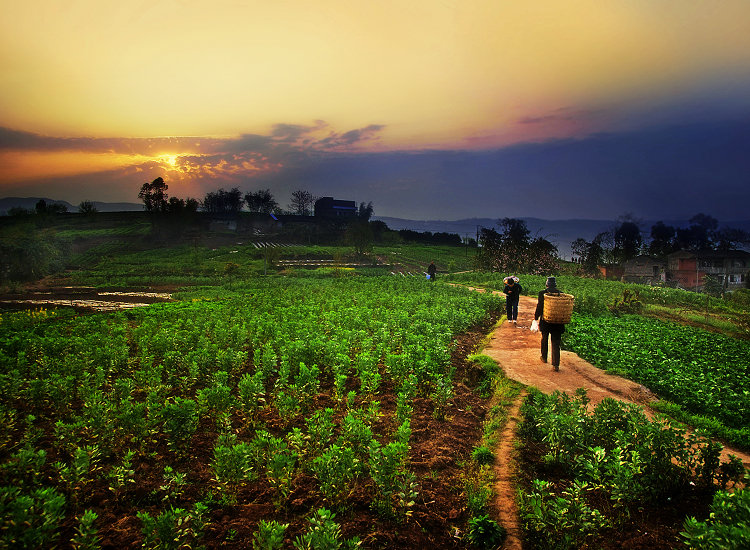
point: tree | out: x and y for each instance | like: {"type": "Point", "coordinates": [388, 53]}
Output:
{"type": "Point", "coordinates": [514, 251]}
{"type": "Point", "coordinates": [591, 253]}
{"type": "Point", "coordinates": [43, 208]}
{"type": "Point", "coordinates": [628, 240]}
{"type": "Point", "coordinates": [730, 239]}
{"type": "Point", "coordinates": [365, 211]}
{"type": "Point", "coordinates": [223, 202]}
{"type": "Point", "coordinates": [301, 202]}
{"type": "Point", "coordinates": [261, 201]}
{"type": "Point", "coordinates": [87, 208]}
{"type": "Point", "coordinates": [154, 196]}
{"type": "Point", "coordinates": [359, 235]}
{"type": "Point", "coordinates": [662, 239]}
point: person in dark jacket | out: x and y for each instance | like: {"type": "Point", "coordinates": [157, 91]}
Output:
{"type": "Point", "coordinates": [552, 330]}
{"type": "Point", "coordinates": [431, 270]}
{"type": "Point", "coordinates": [512, 291]}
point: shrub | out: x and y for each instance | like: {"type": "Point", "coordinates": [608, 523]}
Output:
{"type": "Point", "coordinates": [484, 532]}
{"type": "Point", "coordinates": [483, 455]}
{"type": "Point", "coordinates": [728, 525]}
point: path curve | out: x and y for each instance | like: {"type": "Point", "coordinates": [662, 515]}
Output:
{"type": "Point", "coordinates": [516, 350]}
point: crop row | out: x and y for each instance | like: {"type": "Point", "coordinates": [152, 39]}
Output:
{"type": "Point", "coordinates": [248, 392]}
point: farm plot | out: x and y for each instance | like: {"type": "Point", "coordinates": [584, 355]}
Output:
{"type": "Point", "coordinates": [282, 411]}
{"type": "Point", "coordinates": [706, 374]}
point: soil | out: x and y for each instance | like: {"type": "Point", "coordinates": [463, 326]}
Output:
{"type": "Point", "coordinates": [516, 350]}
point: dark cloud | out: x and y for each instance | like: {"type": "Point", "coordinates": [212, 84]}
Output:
{"type": "Point", "coordinates": [667, 172]}
{"type": "Point", "coordinates": [670, 172]}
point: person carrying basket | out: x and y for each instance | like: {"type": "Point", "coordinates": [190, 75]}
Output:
{"type": "Point", "coordinates": [553, 310]}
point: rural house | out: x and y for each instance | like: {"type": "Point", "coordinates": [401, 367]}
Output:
{"type": "Point", "coordinates": [644, 269]}
{"type": "Point", "coordinates": [328, 207]}
{"type": "Point", "coordinates": [689, 269]}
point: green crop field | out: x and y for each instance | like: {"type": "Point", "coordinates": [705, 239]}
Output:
{"type": "Point", "coordinates": [271, 405]}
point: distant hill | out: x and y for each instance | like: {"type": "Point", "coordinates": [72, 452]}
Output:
{"type": "Point", "coordinates": [29, 203]}
{"type": "Point", "coordinates": [559, 232]}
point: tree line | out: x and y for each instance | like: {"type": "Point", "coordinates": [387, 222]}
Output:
{"type": "Point", "coordinates": [156, 200]}
{"type": "Point", "coordinates": [627, 241]}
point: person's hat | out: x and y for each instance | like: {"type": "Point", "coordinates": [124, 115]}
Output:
{"type": "Point", "coordinates": [551, 282]}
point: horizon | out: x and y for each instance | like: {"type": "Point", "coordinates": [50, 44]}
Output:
{"type": "Point", "coordinates": [551, 110]}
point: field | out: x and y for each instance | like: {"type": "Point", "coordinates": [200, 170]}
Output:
{"type": "Point", "coordinates": [270, 406]}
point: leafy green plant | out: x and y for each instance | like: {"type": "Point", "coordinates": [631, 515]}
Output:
{"type": "Point", "coordinates": [564, 521]}
{"type": "Point", "coordinates": [324, 533]}
{"type": "Point", "coordinates": [728, 525]}
{"type": "Point", "coordinates": [270, 535]}
{"type": "Point", "coordinates": [173, 528]}
{"type": "Point", "coordinates": [30, 519]}
{"type": "Point", "coordinates": [335, 469]}
{"type": "Point", "coordinates": [482, 455]}
{"type": "Point", "coordinates": [123, 474]}
{"type": "Point", "coordinates": [86, 536]}
{"type": "Point", "coordinates": [180, 422]}
{"type": "Point", "coordinates": [484, 532]}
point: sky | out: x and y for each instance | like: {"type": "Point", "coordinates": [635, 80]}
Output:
{"type": "Point", "coordinates": [429, 109]}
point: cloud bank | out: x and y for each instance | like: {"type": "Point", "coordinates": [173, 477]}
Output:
{"type": "Point", "coordinates": [668, 171]}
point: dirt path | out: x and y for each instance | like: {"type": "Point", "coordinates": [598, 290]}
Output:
{"type": "Point", "coordinates": [516, 350]}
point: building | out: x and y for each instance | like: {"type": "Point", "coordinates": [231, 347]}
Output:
{"type": "Point", "coordinates": [328, 207]}
{"type": "Point", "coordinates": [644, 269]}
{"type": "Point", "coordinates": [689, 269]}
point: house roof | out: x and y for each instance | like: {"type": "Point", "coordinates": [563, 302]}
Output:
{"type": "Point", "coordinates": [710, 254]}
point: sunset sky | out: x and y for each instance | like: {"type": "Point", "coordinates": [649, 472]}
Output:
{"type": "Point", "coordinates": [439, 109]}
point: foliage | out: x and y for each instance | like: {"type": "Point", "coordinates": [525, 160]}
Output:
{"type": "Point", "coordinates": [223, 202]}
{"type": "Point", "coordinates": [614, 451]}
{"type": "Point", "coordinates": [154, 195]}
{"type": "Point", "coordinates": [701, 371]}
{"type": "Point", "coordinates": [514, 251]}
{"type": "Point", "coordinates": [728, 525]}
{"type": "Point", "coordinates": [629, 303]}
{"type": "Point", "coordinates": [484, 532]}
{"type": "Point", "coordinates": [29, 253]}
{"type": "Point", "coordinates": [324, 534]}
{"type": "Point", "coordinates": [270, 535]}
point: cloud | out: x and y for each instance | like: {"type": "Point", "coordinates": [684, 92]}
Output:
{"type": "Point", "coordinates": [668, 171]}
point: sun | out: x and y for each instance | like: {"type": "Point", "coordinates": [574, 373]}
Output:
{"type": "Point", "coordinates": [169, 159]}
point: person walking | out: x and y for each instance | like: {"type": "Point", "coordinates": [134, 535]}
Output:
{"type": "Point", "coordinates": [512, 291]}
{"type": "Point", "coordinates": [550, 331]}
{"type": "Point", "coordinates": [431, 270]}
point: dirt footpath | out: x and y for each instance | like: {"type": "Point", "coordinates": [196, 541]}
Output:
{"type": "Point", "coordinates": [516, 350]}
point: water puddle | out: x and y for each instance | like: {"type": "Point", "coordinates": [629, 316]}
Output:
{"type": "Point", "coordinates": [84, 298]}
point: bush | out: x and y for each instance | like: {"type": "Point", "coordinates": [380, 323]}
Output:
{"type": "Point", "coordinates": [728, 525]}
{"type": "Point", "coordinates": [484, 532]}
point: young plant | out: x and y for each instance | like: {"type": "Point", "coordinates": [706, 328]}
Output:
{"type": "Point", "coordinates": [324, 532]}
{"type": "Point", "coordinates": [270, 535]}
{"type": "Point", "coordinates": [180, 423]}
{"type": "Point", "coordinates": [485, 533]}
{"type": "Point", "coordinates": [86, 535]}
{"type": "Point", "coordinates": [335, 469]}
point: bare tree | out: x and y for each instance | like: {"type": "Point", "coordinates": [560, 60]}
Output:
{"type": "Point", "coordinates": [301, 202]}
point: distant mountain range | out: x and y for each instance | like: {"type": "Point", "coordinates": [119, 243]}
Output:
{"type": "Point", "coordinates": [29, 203]}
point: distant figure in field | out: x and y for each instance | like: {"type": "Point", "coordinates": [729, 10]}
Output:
{"type": "Point", "coordinates": [553, 330]}
{"type": "Point", "coordinates": [512, 291]}
{"type": "Point", "coordinates": [431, 270]}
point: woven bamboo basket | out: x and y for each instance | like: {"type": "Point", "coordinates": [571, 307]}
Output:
{"type": "Point", "coordinates": [558, 308]}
